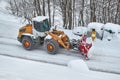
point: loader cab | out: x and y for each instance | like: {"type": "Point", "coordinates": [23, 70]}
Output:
{"type": "Point", "coordinates": [40, 26]}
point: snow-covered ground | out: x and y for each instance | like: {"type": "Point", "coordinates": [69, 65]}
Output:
{"type": "Point", "coordinates": [19, 69]}
{"type": "Point", "coordinates": [106, 58]}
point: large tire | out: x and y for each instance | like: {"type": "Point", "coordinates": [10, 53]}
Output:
{"type": "Point", "coordinates": [27, 43]}
{"type": "Point", "coordinates": [52, 46]}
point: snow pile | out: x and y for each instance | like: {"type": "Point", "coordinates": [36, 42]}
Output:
{"type": "Point", "coordinates": [99, 27]}
{"type": "Point", "coordinates": [96, 26]}
{"type": "Point", "coordinates": [78, 65]}
{"type": "Point", "coordinates": [70, 34]}
{"type": "Point", "coordinates": [80, 30]}
{"type": "Point", "coordinates": [115, 28]}
{"type": "Point", "coordinates": [74, 34]}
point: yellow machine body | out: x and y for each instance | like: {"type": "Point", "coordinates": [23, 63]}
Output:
{"type": "Point", "coordinates": [61, 38]}
{"type": "Point", "coordinates": [25, 29]}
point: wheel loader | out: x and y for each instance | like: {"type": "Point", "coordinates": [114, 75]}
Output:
{"type": "Point", "coordinates": [37, 34]}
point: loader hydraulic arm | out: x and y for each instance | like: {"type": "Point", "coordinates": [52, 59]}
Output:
{"type": "Point", "coordinates": [60, 38]}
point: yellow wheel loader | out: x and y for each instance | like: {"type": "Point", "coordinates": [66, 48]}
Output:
{"type": "Point", "coordinates": [39, 32]}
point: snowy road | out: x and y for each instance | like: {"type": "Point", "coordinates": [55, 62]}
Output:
{"type": "Point", "coordinates": [99, 62]}
{"type": "Point", "coordinates": [20, 69]}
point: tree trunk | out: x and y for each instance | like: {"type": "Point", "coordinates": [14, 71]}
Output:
{"type": "Point", "coordinates": [70, 14]}
{"type": "Point", "coordinates": [49, 12]}
{"type": "Point", "coordinates": [92, 7]}
{"type": "Point", "coordinates": [17, 10]}
{"type": "Point", "coordinates": [37, 7]}
{"type": "Point", "coordinates": [73, 14]}
{"type": "Point", "coordinates": [54, 1]}
{"type": "Point", "coordinates": [43, 8]}
{"type": "Point", "coordinates": [82, 12]}
{"type": "Point", "coordinates": [117, 12]}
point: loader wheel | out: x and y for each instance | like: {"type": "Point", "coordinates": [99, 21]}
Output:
{"type": "Point", "coordinates": [27, 43]}
{"type": "Point", "coordinates": [52, 46]}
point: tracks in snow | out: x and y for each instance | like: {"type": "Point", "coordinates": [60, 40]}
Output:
{"type": "Point", "coordinates": [33, 59]}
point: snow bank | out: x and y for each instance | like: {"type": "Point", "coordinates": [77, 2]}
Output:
{"type": "Point", "coordinates": [114, 27]}
{"type": "Point", "coordinates": [70, 34]}
{"type": "Point", "coordinates": [99, 26]}
{"type": "Point", "coordinates": [108, 26]}
{"type": "Point", "coordinates": [80, 30]}
{"type": "Point", "coordinates": [96, 26]}
{"type": "Point", "coordinates": [78, 65]}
